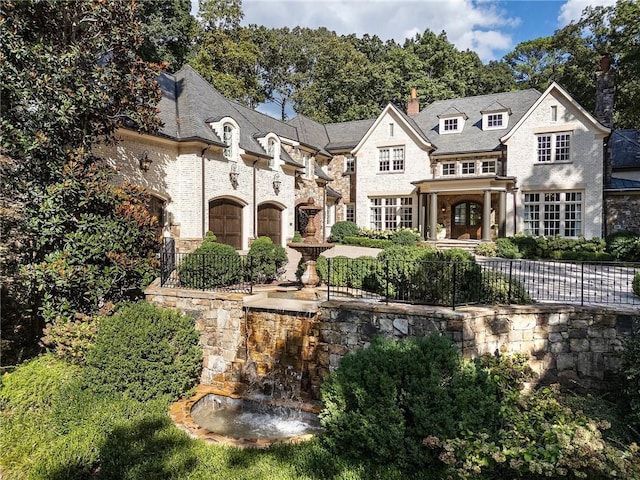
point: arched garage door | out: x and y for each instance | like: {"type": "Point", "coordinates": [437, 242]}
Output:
{"type": "Point", "coordinates": [269, 222]}
{"type": "Point", "coordinates": [225, 221]}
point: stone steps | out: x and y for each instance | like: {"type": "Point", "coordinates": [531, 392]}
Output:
{"type": "Point", "coordinates": [447, 244]}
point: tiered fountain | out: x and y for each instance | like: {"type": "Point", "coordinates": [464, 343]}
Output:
{"type": "Point", "coordinates": [310, 249]}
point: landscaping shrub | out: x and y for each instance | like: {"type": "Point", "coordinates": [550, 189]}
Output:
{"type": "Point", "coordinates": [384, 400]}
{"type": "Point", "coordinates": [487, 249]}
{"type": "Point", "coordinates": [624, 246]}
{"type": "Point", "coordinates": [527, 245]}
{"type": "Point", "coordinates": [506, 248]}
{"type": "Point", "coordinates": [349, 272]}
{"type": "Point", "coordinates": [342, 229]}
{"type": "Point", "coordinates": [211, 265]}
{"type": "Point", "coordinates": [405, 236]}
{"type": "Point", "coordinates": [636, 284]}
{"type": "Point", "coordinates": [496, 288]}
{"type": "Point", "coordinates": [265, 260]}
{"type": "Point", "coordinates": [396, 267]}
{"type": "Point", "coordinates": [145, 351]}
{"type": "Point", "coordinates": [367, 242]}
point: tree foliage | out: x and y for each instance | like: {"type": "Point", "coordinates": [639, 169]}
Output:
{"type": "Point", "coordinates": [81, 240]}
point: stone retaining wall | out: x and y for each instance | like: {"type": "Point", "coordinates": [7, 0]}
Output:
{"type": "Point", "coordinates": [578, 347]}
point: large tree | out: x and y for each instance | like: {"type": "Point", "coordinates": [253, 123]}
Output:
{"type": "Point", "coordinates": [63, 94]}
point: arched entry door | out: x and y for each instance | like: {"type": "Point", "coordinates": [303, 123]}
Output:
{"type": "Point", "coordinates": [270, 222]}
{"type": "Point", "coordinates": [225, 221]}
{"type": "Point", "coordinates": [466, 220]}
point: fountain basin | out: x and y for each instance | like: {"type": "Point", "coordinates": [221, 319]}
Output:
{"type": "Point", "coordinates": [246, 423]}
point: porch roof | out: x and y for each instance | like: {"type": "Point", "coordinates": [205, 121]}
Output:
{"type": "Point", "coordinates": [467, 185]}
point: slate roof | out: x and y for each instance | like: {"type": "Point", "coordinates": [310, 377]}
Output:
{"type": "Point", "coordinates": [189, 103]}
{"type": "Point", "coordinates": [473, 138]}
{"type": "Point", "coordinates": [625, 149]}
{"type": "Point", "coordinates": [346, 135]}
{"type": "Point", "coordinates": [623, 184]}
{"type": "Point", "coordinates": [311, 133]}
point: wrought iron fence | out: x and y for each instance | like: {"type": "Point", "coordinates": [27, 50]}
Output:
{"type": "Point", "coordinates": [448, 283]}
{"type": "Point", "coordinates": [487, 281]}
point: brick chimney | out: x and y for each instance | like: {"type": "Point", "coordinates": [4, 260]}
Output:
{"type": "Point", "coordinates": [413, 105]}
{"type": "Point", "coordinates": [605, 89]}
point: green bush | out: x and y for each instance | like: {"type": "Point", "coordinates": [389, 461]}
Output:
{"type": "Point", "coordinates": [349, 272]}
{"type": "Point", "coordinates": [487, 249]}
{"type": "Point", "coordinates": [496, 288]}
{"type": "Point", "coordinates": [265, 260]}
{"type": "Point", "coordinates": [211, 265]}
{"type": "Point", "coordinates": [297, 238]}
{"type": "Point", "coordinates": [405, 236]}
{"type": "Point", "coordinates": [145, 351]}
{"type": "Point", "coordinates": [384, 400]}
{"type": "Point", "coordinates": [636, 284]}
{"type": "Point", "coordinates": [342, 229]}
{"type": "Point", "coordinates": [624, 246]}
{"type": "Point", "coordinates": [507, 249]}
{"type": "Point", "coordinates": [527, 245]}
{"type": "Point", "coordinates": [367, 242]}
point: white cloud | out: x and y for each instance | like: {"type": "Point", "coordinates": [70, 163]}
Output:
{"type": "Point", "coordinates": [477, 25]}
{"type": "Point", "coordinates": [572, 9]}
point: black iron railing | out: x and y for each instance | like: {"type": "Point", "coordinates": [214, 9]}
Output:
{"type": "Point", "coordinates": [448, 283]}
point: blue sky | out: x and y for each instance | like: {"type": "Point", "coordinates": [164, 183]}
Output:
{"type": "Point", "coordinates": [491, 28]}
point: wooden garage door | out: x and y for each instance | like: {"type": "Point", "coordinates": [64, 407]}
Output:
{"type": "Point", "coordinates": [225, 221]}
{"type": "Point", "coordinates": [269, 222]}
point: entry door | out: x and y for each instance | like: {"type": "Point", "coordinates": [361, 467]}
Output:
{"type": "Point", "coordinates": [466, 220]}
{"type": "Point", "coordinates": [225, 221]}
{"type": "Point", "coordinates": [269, 222]}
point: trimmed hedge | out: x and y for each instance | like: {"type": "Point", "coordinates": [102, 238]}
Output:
{"type": "Point", "coordinates": [342, 229]}
{"type": "Point", "coordinates": [366, 242]}
{"type": "Point", "coordinates": [146, 351]}
{"type": "Point", "coordinates": [211, 265]}
{"type": "Point", "coordinates": [636, 284]}
{"type": "Point", "coordinates": [624, 246]}
{"type": "Point", "coordinates": [552, 248]}
{"type": "Point", "coordinates": [265, 260]}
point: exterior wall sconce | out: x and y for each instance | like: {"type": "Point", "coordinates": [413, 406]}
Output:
{"type": "Point", "coordinates": [233, 175]}
{"type": "Point", "coordinates": [277, 184]}
{"type": "Point", "coordinates": [145, 161]}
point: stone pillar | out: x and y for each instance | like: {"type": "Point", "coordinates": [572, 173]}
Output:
{"type": "Point", "coordinates": [502, 214]}
{"type": "Point", "coordinates": [433, 216]}
{"type": "Point", "coordinates": [486, 217]}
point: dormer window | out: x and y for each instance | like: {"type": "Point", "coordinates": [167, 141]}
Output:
{"type": "Point", "coordinates": [452, 121]}
{"type": "Point", "coordinates": [495, 117]}
{"type": "Point", "coordinates": [227, 138]}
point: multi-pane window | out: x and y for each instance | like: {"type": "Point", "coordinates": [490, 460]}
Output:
{"type": "Point", "coordinates": [398, 159]}
{"type": "Point", "coordinates": [227, 138]}
{"type": "Point", "coordinates": [450, 124]}
{"type": "Point", "coordinates": [391, 159]}
{"type": "Point", "coordinates": [349, 164]}
{"type": "Point", "coordinates": [384, 165]}
{"type": "Point", "coordinates": [350, 212]}
{"type": "Point", "coordinates": [494, 120]}
{"type": "Point", "coordinates": [489, 166]}
{"type": "Point", "coordinates": [468, 168]}
{"type": "Point", "coordinates": [448, 169]}
{"type": "Point", "coordinates": [391, 213]}
{"type": "Point", "coordinates": [553, 213]}
{"type": "Point", "coordinates": [554, 147]}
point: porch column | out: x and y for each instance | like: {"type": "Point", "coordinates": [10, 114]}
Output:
{"type": "Point", "coordinates": [502, 215]}
{"type": "Point", "coordinates": [433, 215]}
{"type": "Point", "coordinates": [486, 217]}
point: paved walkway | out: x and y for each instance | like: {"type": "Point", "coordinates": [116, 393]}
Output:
{"type": "Point", "coordinates": [350, 251]}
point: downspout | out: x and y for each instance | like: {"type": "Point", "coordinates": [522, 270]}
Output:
{"type": "Point", "coordinates": [324, 213]}
{"type": "Point", "coordinates": [203, 203]}
{"type": "Point", "coordinates": [255, 204]}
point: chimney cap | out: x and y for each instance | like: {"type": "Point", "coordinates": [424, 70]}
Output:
{"type": "Point", "coordinates": [414, 92]}
{"type": "Point", "coordinates": [605, 62]}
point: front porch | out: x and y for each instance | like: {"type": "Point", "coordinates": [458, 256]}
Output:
{"type": "Point", "coordinates": [465, 208]}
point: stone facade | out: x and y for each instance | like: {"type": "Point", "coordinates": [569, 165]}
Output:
{"type": "Point", "coordinates": [578, 347]}
{"type": "Point", "coordinates": [622, 212]}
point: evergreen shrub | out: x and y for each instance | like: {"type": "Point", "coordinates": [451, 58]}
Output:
{"type": "Point", "coordinates": [344, 228]}
{"type": "Point", "coordinates": [384, 400]}
{"type": "Point", "coordinates": [624, 245]}
{"type": "Point", "coordinates": [405, 236]}
{"type": "Point", "coordinates": [507, 249]}
{"type": "Point", "coordinates": [211, 265]}
{"type": "Point", "coordinates": [146, 351]}
{"type": "Point", "coordinates": [635, 285]}
{"type": "Point", "coordinates": [367, 242]}
{"type": "Point", "coordinates": [487, 249]}
{"type": "Point", "coordinates": [265, 260]}
{"type": "Point", "coordinates": [497, 289]}
{"type": "Point", "coordinates": [630, 370]}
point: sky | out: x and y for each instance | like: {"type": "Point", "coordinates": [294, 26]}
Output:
{"type": "Point", "coordinates": [491, 28]}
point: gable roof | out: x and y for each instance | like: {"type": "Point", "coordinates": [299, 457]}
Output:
{"type": "Point", "coordinates": [624, 146]}
{"type": "Point", "coordinates": [473, 138]}
{"type": "Point", "coordinates": [563, 93]}
{"type": "Point", "coordinates": [409, 124]}
{"type": "Point", "coordinates": [346, 135]}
